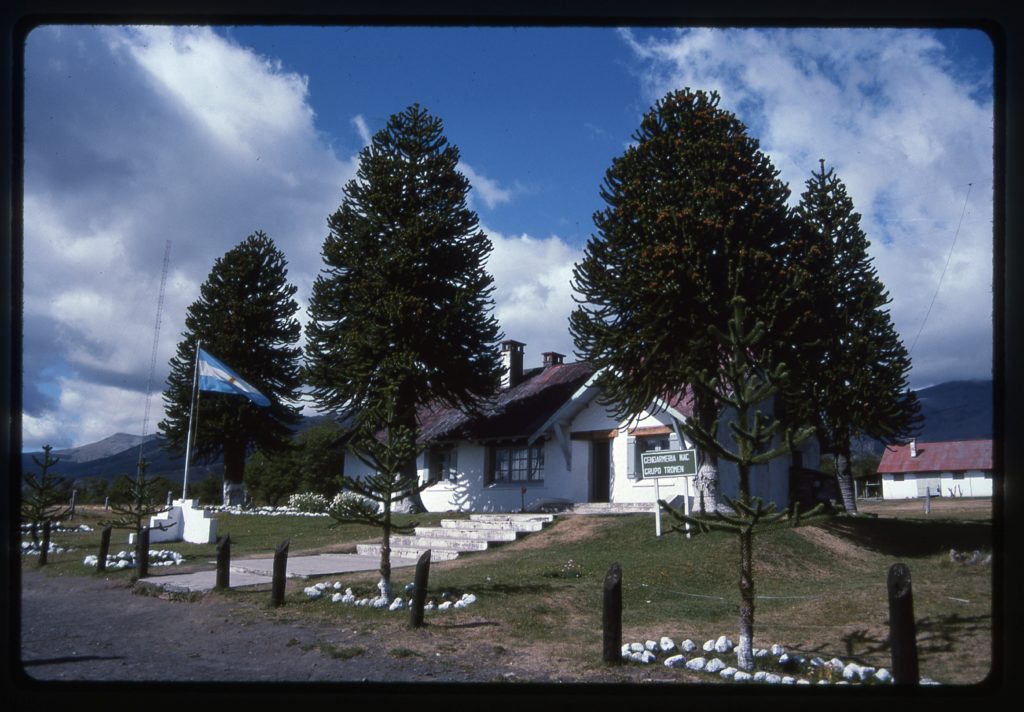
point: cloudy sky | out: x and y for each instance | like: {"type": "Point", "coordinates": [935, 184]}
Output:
{"type": "Point", "coordinates": [140, 137]}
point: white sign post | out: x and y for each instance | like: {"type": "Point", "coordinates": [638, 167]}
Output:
{"type": "Point", "coordinates": [669, 463]}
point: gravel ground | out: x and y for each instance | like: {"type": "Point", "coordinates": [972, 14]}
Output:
{"type": "Point", "coordinates": [82, 634]}
{"type": "Point", "coordinates": [80, 628]}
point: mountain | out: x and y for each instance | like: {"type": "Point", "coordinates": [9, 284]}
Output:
{"type": "Point", "coordinates": [106, 447]}
{"type": "Point", "coordinates": [957, 410]}
{"type": "Point", "coordinates": [118, 455]}
{"type": "Point", "coordinates": [92, 461]}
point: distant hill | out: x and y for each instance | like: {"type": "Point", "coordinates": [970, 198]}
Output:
{"type": "Point", "coordinates": [957, 410]}
{"type": "Point", "coordinates": [119, 455]}
{"type": "Point", "coordinates": [106, 447]}
{"type": "Point", "coordinates": [88, 460]}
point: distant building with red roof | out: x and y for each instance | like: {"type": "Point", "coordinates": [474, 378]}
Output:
{"type": "Point", "coordinates": [961, 468]}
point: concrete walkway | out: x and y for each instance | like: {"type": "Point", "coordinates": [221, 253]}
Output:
{"type": "Point", "coordinates": [247, 573]}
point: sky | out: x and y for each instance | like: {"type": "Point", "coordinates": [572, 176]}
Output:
{"type": "Point", "coordinates": [195, 137]}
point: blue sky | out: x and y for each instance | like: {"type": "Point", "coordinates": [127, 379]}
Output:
{"type": "Point", "coordinates": [139, 135]}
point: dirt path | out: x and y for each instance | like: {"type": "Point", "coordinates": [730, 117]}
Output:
{"type": "Point", "coordinates": [81, 628]}
{"type": "Point", "coordinates": [93, 629]}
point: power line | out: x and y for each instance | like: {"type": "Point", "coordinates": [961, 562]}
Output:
{"type": "Point", "coordinates": [156, 342]}
{"type": "Point", "coordinates": [941, 276]}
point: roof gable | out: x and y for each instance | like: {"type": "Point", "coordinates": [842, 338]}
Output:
{"type": "Point", "coordinates": [953, 456]}
{"type": "Point", "coordinates": [513, 413]}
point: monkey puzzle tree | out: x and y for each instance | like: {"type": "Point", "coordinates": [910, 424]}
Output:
{"type": "Point", "coordinates": [245, 316]}
{"type": "Point", "coordinates": [401, 314]}
{"type": "Point", "coordinates": [135, 499]}
{"type": "Point", "coordinates": [44, 497]}
{"type": "Point", "coordinates": [857, 380]}
{"type": "Point", "coordinates": [695, 281]}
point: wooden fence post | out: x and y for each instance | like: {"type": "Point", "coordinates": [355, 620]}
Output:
{"type": "Point", "coordinates": [902, 629]}
{"type": "Point", "coordinates": [612, 615]}
{"type": "Point", "coordinates": [419, 591]}
{"type": "Point", "coordinates": [46, 543]}
{"type": "Point", "coordinates": [142, 554]}
{"type": "Point", "coordinates": [224, 562]}
{"type": "Point", "coordinates": [280, 572]}
{"type": "Point", "coordinates": [101, 561]}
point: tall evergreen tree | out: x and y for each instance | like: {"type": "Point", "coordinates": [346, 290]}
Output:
{"type": "Point", "coordinates": [401, 314]}
{"type": "Point", "coordinates": [695, 216]}
{"type": "Point", "coordinates": [245, 316]}
{"type": "Point", "coordinates": [856, 384]}
{"type": "Point", "coordinates": [695, 281]}
{"type": "Point", "coordinates": [44, 497]}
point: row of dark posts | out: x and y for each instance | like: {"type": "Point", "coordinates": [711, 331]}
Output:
{"type": "Point", "coordinates": [223, 577]}
{"type": "Point", "coordinates": [902, 629]}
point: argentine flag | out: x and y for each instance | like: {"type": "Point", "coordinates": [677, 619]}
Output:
{"type": "Point", "coordinates": [215, 376]}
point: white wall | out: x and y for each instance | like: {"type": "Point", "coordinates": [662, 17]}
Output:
{"type": "Point", "coordinates": [572, 483]}
{"type": "Point", "coordinates": [974, 484]}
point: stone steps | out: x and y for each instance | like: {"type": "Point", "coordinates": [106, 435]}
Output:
{"type": "Point", "coordinates": [454, 536]}
{"type": "Point", "coordinates": [610, 508]}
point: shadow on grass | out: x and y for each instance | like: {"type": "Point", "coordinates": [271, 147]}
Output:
{"type": "Point", "coordinates": [524, 589]}
{"type": "Point", "coordinates": [902, 537]}
{"type": "Point", "coordinates": [936, 634]}
{"type": "Point", "coordinates": [477, 624]}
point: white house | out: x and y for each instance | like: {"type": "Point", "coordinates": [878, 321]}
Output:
{"type": "Point", "coordinates": [961, 468]}
{"type": "Point", "coordinates": [545, 439]}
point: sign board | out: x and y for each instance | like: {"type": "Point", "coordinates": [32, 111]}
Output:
{"type": "Point", "coordinates": [669, 463]}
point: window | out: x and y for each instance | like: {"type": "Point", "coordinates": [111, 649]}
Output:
{"type": "Point", "coordinates": [958, 475]}
{"type": "Point", "coordinates": [516, 463]}
{"type": "Point", "coordinates": [443, 464]}
{"type": "Point", "coordinates": [898, 477]}
{"type": "Point", "coordinates": [655, 443]}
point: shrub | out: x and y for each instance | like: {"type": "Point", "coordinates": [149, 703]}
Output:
{"type": "Point", "coordinates": [309, 502]}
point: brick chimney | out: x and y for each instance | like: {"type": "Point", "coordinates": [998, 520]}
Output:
{"type": "Point", "coordinates": [913, 448]}
{"type": "Point", "coordinates": [552, 358]}
{"type": "Point", "coordinates": [512, 360]}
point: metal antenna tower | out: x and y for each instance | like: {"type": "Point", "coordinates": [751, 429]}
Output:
{"type": "Point", "coordinates": [156, 342]}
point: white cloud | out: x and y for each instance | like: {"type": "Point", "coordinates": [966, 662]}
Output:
{"type": "Point", "coordinates": [533, 295]}
{"type": "Point", "coordinates": [884, 108]}
{"type": "Point", "coordinates": [364, 131]}
{"type": "Point", "coordinates": [137, 136]}
{"type": "Point", "coordinates": [489, 191]}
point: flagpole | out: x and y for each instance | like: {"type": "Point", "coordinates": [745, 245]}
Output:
{"type": "Point", "coordinates": [191, 412]}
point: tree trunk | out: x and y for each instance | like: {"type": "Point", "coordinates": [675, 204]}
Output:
{"type": "Point", "coordinates": [745, 649]}
{"type": "Point", "coordinates": [385, 556]}
{"type": "Point", "coordinates": [844, 478]}
{"type": "Point", "coordinates": [413, 504]}
{"type": "Point", "coordinates": [234, 472]}
{"type": "Point", "coordinates": [707, 485]}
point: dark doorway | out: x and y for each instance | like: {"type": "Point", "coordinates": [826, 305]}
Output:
{"type": "Point", "coordinates": [600, 462]}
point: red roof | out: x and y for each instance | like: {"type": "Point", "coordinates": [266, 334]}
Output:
{"type": "Point", "coordinates": [956, 456]}
{"type": "Point", "coordinates": [512, 413]}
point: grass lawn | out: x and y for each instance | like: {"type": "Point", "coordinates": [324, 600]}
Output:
{"type": "Point", "coordinates": [821, 589]}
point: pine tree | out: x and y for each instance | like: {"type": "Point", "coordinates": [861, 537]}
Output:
{"type": "Point", "coordinates": [136, 499]}
{"type": "Point", "coordinates": [245, 316]}
{"type": "Point", "coordinates": [400, 316]}
{"type": "Point", "coordinates": [695, 281]}
{"type": "Point", "coordinates": [44, 497]}
{"type": "Point", "coordinates": [695, 216]}
{"type": "Point", "coordinates": [856, 384]}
